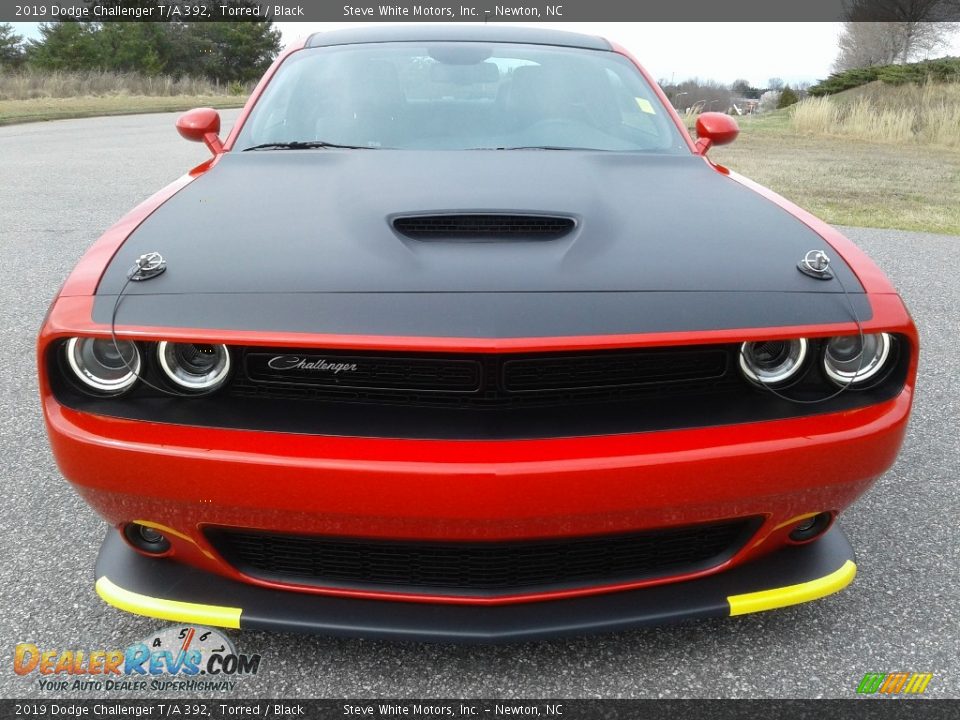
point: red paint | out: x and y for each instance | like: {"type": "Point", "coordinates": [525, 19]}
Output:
{"type": "Point", "coordinates": [201, 125]}
{"type": "Point", "coordinates": [715, 128]}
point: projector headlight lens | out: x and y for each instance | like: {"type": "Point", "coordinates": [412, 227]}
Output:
{"type": "Point", "coordinates": [848, 359]}
{"type": "Point", "coordinates": [773, 362]}
{"type": "Point", "coordinates": [104, 366]}
{"type": "Point", "coordinates": [193, 366]}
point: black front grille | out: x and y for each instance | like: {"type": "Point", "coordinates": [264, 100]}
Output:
{"type": "Point", "coordinates": [483, 227]}
{"type": "Point", "coordinates": [611, 370]}
{"type": "Point", "coordinates": [484, 380]}
{"type": "Point", "coordinates": [480, 568]}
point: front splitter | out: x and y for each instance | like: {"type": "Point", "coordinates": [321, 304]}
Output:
{"type": "Point", "coordinates": [168, 590]}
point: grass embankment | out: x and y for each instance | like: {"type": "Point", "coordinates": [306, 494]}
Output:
{"type": "Point", "coordinates": [875, 156]}
{"type": "Point", "coordinates": [31, 96]}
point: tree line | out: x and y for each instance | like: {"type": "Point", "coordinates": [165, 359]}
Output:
{"type": "Point", "coordinates": [224, 52]}
{"type": "Point", "coordinates": [702, 95]}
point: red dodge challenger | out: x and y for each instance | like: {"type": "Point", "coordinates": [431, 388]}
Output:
{"type": "Point", "coordinates": [460, 336]}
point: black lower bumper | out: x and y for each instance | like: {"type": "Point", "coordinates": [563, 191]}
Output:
{"type": "Point", "coordinates": [167, 590]}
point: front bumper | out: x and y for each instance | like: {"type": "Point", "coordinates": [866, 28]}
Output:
{"type": "Point", "coordinates": [171, 591]}
{"type": "Point", "coordinates": [183, 480]}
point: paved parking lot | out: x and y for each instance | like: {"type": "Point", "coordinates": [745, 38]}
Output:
{"type": "Point", "coordinates": [64, 182]}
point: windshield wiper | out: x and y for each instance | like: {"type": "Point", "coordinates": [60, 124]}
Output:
{"type": "Point", "coordinates": [305, 145]}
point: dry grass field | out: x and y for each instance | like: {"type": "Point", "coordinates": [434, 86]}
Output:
{"type": "Point", "coordinates": [28, 84]}
{"type": "Point", "coordinates": [854, 182]}
{"type": "Point", "coordinates": [29, 96]}
{"type": "Point", "coordinates": [20, 111]}
{"type": "Point", "coordinates": [925, 114]}
{"type": "Point", "coordinates": [876, 156]}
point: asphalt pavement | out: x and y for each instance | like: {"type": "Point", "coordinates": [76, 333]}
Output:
{"type": "Point", "coordinates": [62, 183]}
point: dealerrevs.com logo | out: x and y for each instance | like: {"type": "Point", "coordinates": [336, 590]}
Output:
{"type": "Point", "coordinates": [186, 658]}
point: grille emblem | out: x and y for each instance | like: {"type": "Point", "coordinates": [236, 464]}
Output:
{"type": "Point", "coordinates": [295, 362]}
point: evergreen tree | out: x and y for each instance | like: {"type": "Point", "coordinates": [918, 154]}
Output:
{"type": "Point", "coordinates": [66, 45]}
{"type": "Point", "coordinates": [233, 51]}
{"type": "Point", "coordinates": [787, 98]}
{"type": "Point", "coordinates": [11, 47]}
{"type": "Point", "coordinates": [223, 51]}
{"type": "Point", "coordinates": [137, 47]}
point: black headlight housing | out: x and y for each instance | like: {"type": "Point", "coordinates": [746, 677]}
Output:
{"type": "Point", "coordinates": [106, 367]}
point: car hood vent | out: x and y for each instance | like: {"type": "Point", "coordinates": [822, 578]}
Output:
{"type": "Point", "coordinates": [483, 227]}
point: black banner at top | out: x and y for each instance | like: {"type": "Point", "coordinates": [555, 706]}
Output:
{"type": "Point", "coordinates": [476, 11]}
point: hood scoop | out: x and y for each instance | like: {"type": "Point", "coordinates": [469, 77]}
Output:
{"type": "Point", "coordinates": [483, 227]}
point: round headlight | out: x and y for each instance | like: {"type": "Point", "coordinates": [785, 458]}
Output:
{"type": "Point", "coordinates": [848, 359]}
{"type": "Point", "coordinates": [193, 366]}
{"type": "Point", "coordinates": [772, 362]}
{"type": "Point", "coordinates": [103, 365]}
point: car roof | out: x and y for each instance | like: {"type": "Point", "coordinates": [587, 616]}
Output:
{"type": "Point", "coordinates": [457, 33]}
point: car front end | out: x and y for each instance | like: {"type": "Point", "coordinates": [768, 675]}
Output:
{"type": "Point", "coordinates": [471, 393]}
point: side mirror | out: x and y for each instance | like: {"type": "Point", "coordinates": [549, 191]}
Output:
{"type": "Point", "coordinates": [714, 128]}
{"type": "Point", "coordinates": [201, 125]}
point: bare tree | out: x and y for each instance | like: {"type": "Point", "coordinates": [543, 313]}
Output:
{"type": "Point", "coordinates": [910, 11]}
{"type": "Point", "coordinates": [863, 44]}
{"type": "Point", "coordinates": [702, 94]}
{"type": "Point", "coordinates": [775, 83]}
{"type": "Point", "coordinates": [894, 31]}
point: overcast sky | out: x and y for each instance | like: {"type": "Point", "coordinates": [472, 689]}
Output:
{"type": "Point", "coordinates": [678, 51]}
{"type": "Point", "coordinates": [718, 51]}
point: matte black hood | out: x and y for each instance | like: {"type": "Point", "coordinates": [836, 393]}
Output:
{"type": "Point", "coordinates": [301, 241]}
{"type": "Point", "coordinates": [318, 221]}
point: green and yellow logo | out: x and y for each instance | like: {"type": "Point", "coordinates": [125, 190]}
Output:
{"type": "Point", "coordinates": [894, 683]}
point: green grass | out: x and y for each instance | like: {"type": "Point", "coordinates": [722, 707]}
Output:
{"type": "Point", "coordinates": [39, 109]}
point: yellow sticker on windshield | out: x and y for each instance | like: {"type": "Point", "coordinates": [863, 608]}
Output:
{"type": "Point", "coordinates": [645, 106]}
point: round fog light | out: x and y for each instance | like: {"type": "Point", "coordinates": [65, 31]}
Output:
{"type": "Point", "coordinates": [146, 539]}
{"type": "Point", "coordinates": [149, 535]}
{"type": "Point", "coordinates": [194, 366]}
{"type": "Point", "coordinates": [811, 528]}
{"type": "Point", "coordinates": [773, 362]}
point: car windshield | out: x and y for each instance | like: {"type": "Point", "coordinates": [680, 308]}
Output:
{"type": "Point", "coordinates": [460, 96]}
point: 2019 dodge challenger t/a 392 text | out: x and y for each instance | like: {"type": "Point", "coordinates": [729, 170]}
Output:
{"type": "Point", "coordinates": [460, 335]}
